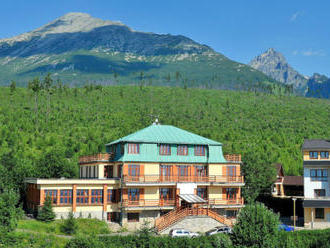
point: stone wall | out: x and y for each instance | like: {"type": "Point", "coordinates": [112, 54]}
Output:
{"type": "Point", "coordinates": [194, 224]}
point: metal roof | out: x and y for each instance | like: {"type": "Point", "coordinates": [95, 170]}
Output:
{"type": "Point", "coordinates": [316, 144]}
{"type": "Point", "coordinates": [165, 134]}
{"type": "Point", "coordinates": [191, 198]}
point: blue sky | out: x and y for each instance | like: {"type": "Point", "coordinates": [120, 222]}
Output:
{"type": "Point", "coordinates": [239, 29]}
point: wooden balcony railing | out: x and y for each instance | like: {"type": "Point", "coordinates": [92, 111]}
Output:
{"type": "Point", "coordinates": [96, 158]}
{"type": "Point", "coordinates": [237, 201]}
{"type": "Point", "coordinates": [233, 157]}
{"type": "Point", "coordinates": [178, 214]}
{"type": "Point", "coordinates": [174, 179]}
{"type": "Point", "coordinates": [148, 203]}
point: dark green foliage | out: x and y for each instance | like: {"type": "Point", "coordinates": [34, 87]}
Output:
{"type": "Point", "coordinates": [9, 211]}
{"type": "Point", "coordinates": [46, 212]}
{"type": "Point", "coordinates": [256, 226]}
{"type": "Point", "coordinates": [69, 225]}
{"type": "Point", "coordinates": [87, 242]}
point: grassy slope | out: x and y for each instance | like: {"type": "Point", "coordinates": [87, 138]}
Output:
{"type": "Point", "coordinates": [269, 127]}
{"type": "Point", "coordinates": [212, 70]}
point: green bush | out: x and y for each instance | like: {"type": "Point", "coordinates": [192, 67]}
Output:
{"type": "Point", "coordinates": [85, 242]}
{"type": "Point", "coordinates": [69, 225]}
{"type": "Point", "coordinates": [256, 226]}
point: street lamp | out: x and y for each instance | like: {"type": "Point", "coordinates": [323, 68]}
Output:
{"type": "Point", "coordinates": [294, 212]}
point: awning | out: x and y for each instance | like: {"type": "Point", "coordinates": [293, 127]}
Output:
{"type": "Point", "coordinates": [191, 198]}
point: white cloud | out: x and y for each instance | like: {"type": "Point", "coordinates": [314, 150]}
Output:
{"type": "Point", "coordinates": [310, 52]}
{"type": "Point", "coordinates": [294, 17]}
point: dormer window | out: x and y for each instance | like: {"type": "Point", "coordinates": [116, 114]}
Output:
{"type": "Point", "coordinates": [164, 149]}
{"type": "Point", "coordinates": [313, 155]}
{"type": "Point", "coordinates": [133, 148]}
{"type": "Point", "coordinates": [199, 150]}
{"type": "Point", "coordinates": [324, 155]}
{"type": "Point", "coordinates": [182, 150]}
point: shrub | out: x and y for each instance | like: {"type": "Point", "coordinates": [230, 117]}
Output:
{"type": "Point", "coordinates": [85, 242]}
{"type": "Point", "coordinates": [69, 225]}
{"type": "Point", "coordinates": [256, 226]}
{"type": "Point", "coordinates": [46, 213]}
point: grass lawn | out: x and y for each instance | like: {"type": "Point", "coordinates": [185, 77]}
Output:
{"type": "Point", "coordinates": [85, 226]}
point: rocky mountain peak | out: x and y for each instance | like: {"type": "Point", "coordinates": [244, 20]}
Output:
{"type": "Point", "coordinates": [274, 64]}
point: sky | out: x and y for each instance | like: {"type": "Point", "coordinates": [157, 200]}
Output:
{"type": "Point", "coordinates": [239, 29]}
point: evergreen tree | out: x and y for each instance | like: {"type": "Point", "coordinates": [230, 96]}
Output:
{"type": "Point", "coordinates": [9, 213]}
{"type": "Point", "coordinates": [70, 225]}
{"type": "Point", "coordinates": [46, 213]}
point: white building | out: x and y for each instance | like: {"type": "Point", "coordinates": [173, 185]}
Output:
{"type": "Point", "coordinates": [316, 183]}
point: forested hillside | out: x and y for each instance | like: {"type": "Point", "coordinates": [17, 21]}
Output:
{"type": "Point", "coordinates": [43, 131]}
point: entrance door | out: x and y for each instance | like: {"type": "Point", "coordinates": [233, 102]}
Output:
{"type": "Point", "coordinates": [165, 173]}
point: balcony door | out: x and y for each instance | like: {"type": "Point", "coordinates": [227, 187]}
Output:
{"type": "Point", "coordinates": [200, 173]}
{"type": "Point", "coordinates": [183, 173]}
{"type": "Point", "coordinates": [165, 173]}
{"type": "Point", "coordinates": [231, 173]}
{"type": "Point", "coordinates": [133, 195]}
{"type": "Point", "coordinates": [231, 194]}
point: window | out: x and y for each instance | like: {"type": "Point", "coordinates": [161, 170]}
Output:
{"type": "Point", "coordinates": [164, 149]}
{"type": "Point", "coordinates": [122, 148]}
{"type": "Point", "coordinates": [313, 155]}
{"type": "Point", "coordinates": [319, 192]}
{"type": "Point", "coordinates": [231, 213]}
{"type": "Point", "coordinates": [324, 155]}
{"type": "Point", "coordinates": [97, 196]}
{"type": "Point", "coordinates": [166, 194]}
{"type": "Point", "coordinates": [108, 171]}
{"type": "Point", "coordinates": [231, 171]}
{"type": "Point", "coordinates": [112, 195]}
{"type": "Point", "coordinates": [52, 194]}
{"type": "Point", "coordinates": [133, 194]}
{"type": "Point", "coordinates": [319, 213]}
{"type": "Point", "coordinates": [82, 196]}
{"type": "Point", "coordinates": [133, 217]}
{"type": "Point", "coordinates": [199, 150]}
{"type": "Point", "coordinates": [182, 150]}
{"type": "Point", "coordinates": [66, 196]}
{"type": "Point", "coordinates": [134, 170]}
{"type": "Point", "coordinates": [231, 193]}
{"type": "Point", "coordinates": [202, 192]}
{"type": "Point", "coordinates": [165, 172]}
{"type": "Point", "coordinates": [133, 148]}
{"type": "Point", "coordinates": [319, 174]}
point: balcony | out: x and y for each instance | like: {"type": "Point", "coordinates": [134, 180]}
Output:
{"type": "Point", "coordinates": [158, 179]}
{"type": "Point", "coordinates": [219, 202]}
{"type": "Point", "coordinates": [100, 157]}
{"type": "Point", "coordinates": [148, 203]}
{"type": "Point", "coordinates": [233, 157]}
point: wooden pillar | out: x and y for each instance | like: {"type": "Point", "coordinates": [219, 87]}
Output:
{"type": "Point", "coordinates": [89, 197]}
{"type": "Point", "coordinates": [238, 196]}
{"type": "Point", "coordinates": [177, 200]}
{"type": "Point", "coordinates": [58, 195]}
{"type": "Point", "coordinates": [42, 197]}
{"type": "Point", "coordinates": [74, 197]}
{"type": "Point", "coordinates": [105, 198]}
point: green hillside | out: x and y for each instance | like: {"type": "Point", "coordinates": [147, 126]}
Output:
{"type": "Point", "coordinates": [46, 140]}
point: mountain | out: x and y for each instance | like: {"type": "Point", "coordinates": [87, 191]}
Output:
{"type": "Point", "coordinates": [318, 86]}
{"type": "Point", "coordinates": [274, 64]}
{"type": "Point", "coordinates": [78, 48]}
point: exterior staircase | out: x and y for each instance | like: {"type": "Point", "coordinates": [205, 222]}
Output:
{"type": "Point", "coordinates": [178, 214]}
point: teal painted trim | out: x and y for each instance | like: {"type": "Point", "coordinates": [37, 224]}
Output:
{"type": "Point", "coordinates": [150, 153]}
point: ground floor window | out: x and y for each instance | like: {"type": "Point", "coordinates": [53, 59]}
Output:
{"type": "Point", "coordinates": [97, 196]}
{"type": "Point", "coordinates": [133, 217]}
{"type": "Point", "coordinates": [113, 216]}
{"type": "Point", "coordinates": [52, 194]}
{"type": "Point", "coordinates": [66, 196]}
{"type": "Point", "coordinates": [82, 196]}
{"type": "Point", "coordinates": [319, 213]}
